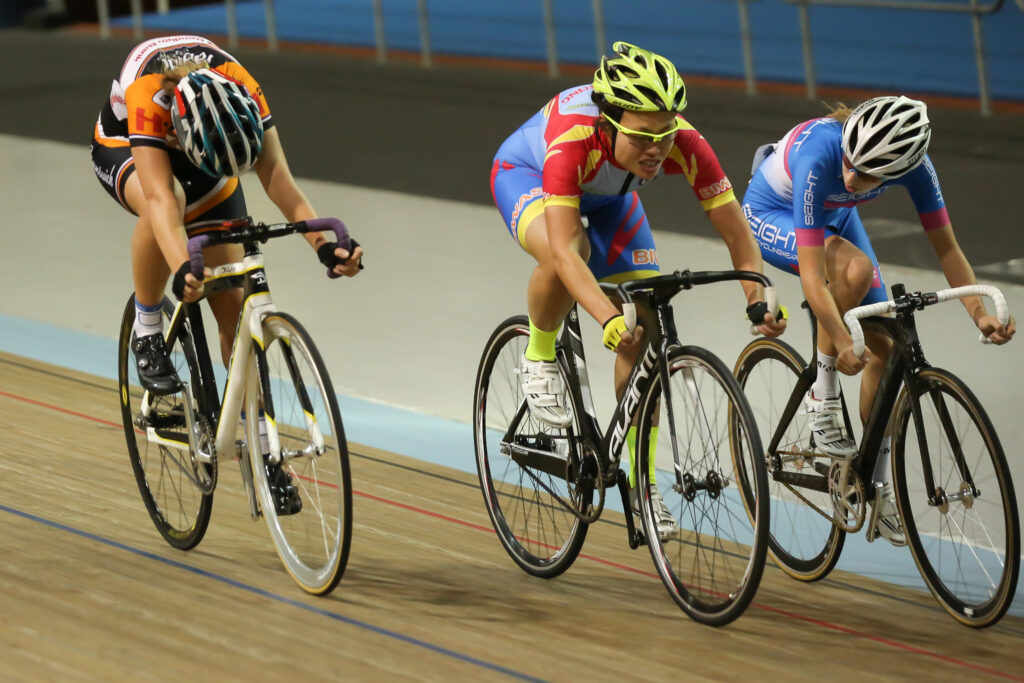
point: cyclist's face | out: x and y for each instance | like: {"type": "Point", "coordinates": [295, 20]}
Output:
{"type": "Point", "coordinates": [640, 154]}
{"type": "Point", "coordinates": [858, 181]}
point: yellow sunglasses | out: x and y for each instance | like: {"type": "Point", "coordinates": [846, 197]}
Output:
{"type": "Point", "coordinates": [642, 137]}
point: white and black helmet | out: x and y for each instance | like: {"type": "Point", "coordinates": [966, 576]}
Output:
{"type": "Point", "coordinates": [217, 122]}
{"type": "Point", "coordinates": [887, 136]}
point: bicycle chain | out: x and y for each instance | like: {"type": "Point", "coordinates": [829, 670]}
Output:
{"type": "Point", "coordinates": [569, 508]}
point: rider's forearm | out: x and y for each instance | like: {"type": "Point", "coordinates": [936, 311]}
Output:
{"type": "Point", "coordinates": [582, 285]}
{"type": "Point", "coordinates": [165, 217]}
{"type": "Point", "coordinates": [824, 306]}
{"type": "Point", "coordinates": [959, 273]}
{"type": "Point", "coordinates": [744, 251]}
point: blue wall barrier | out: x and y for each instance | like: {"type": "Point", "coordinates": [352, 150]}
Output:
{"type": "Point", "coordinates": [912, 51]}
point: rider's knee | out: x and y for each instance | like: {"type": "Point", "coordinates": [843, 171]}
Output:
{"type": "Point", "coordinates": [860, 273]}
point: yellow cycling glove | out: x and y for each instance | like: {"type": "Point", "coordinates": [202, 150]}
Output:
{"type": "Point", "coordinates": [614, 328]}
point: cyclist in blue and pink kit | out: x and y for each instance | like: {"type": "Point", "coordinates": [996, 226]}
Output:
{"type": "Point", "coordinates": [801, 206]}
{"type": "Point", "coordinates": [565, 183]}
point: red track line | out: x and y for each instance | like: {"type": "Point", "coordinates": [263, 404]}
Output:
{"type": "Point", "coordinates": [61, 410]}
{"type": "Point", "coordinates": [774, 610]}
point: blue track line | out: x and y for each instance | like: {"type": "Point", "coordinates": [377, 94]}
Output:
{"type": "Point", "coordinates": [273, 596]}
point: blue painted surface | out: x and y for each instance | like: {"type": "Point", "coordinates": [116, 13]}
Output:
{"type": "Point", "coordinates": [913, 51]}
{"type": "Point", "coordinates": [406, 432]}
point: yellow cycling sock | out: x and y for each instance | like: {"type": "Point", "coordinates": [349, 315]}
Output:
{"type": "Point", "coordinates": [542, 344]}
{"type": "Point", "coordinates": [631, 444]}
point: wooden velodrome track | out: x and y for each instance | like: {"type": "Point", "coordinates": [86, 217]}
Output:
{"type": "Point", "coordinates": [89, 590]}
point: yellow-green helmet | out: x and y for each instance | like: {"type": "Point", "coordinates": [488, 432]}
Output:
{"type": "Point", "coordinates": [638, 80]}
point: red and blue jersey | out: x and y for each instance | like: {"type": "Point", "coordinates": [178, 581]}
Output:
{"type": "Point", "coordinates": [563, 143]}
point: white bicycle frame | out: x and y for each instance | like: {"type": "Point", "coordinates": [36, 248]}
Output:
{"type": "Point", "coordinates": [243, 377]}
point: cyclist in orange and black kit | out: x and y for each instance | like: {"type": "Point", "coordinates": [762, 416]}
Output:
{"type": "Point", "coordinates": [183, 120]}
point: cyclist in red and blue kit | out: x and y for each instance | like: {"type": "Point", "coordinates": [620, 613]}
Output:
{"type": "Point", "coordinates": [801, 206]}
{"type": "Point", "coordinates": [565, 183]}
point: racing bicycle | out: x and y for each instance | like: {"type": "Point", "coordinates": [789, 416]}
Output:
{"type": "Point", "coordinates": [293, 458]}
{"type": "Point", "coordinates": [950, 477]}
{"type": "Point", "coordinates": [544, 486]}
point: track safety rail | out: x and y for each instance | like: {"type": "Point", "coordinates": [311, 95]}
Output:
{"type": "Point", "coordinates": [919, 300]}
{"type": "Point", "coordinates": [974, 8]}
{"type": "Point", "coordinates": [423, 19]}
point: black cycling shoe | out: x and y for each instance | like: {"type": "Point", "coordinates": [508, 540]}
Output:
{"type": "Point", "coordinates": [156, 372]}
{"type": "Point", "coordinates": [282, 491]}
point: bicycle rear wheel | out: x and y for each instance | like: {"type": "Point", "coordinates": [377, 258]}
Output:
{"type": "Point", "coordinates": [524, 502]}
{"type": "Point", "coordinates": [802, 539]}
{"type": "Point", "coordinates": [291, 390]}
{"type": "Point", "coordinates": [712, 565]}
{"type": "Point", "coordinates": [964, 534]}
{"type": "Point", "coordinates": [176, 489]}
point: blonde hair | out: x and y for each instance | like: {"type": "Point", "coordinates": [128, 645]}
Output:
{"type": "Point", "coordinates": [838, 111]}
{"type": "Point", "coordinates": [173, 75]}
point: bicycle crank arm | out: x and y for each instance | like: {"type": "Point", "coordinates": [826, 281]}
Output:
{"type": "Point", "coordinates": [535, 459]}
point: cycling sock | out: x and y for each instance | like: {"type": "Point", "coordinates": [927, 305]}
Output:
{"type": "Point", "coordinates": [881, 473]}
{"type": "Point", "coordinates": [542, 344]}
{"type": "Point", "coordinates": [148, 320]}
{"type": "Point", "coordinates": [631, 444]}
{"type": "Point", "coordinates": [827, 383]}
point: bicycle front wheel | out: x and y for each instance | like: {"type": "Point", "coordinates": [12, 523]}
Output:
{"type": "Point", "coordinates": [963, 529]}
{"type": "Point", "coordinates": [525, 499]}
{"type": "Point", "coordinates": [292, 393]}
{"type": "Point", "coordinates": [802, 539]}
{"type": "Point", "coordinates": [707, 443]}
{"type": "Point", "coordinates": [175, 488]}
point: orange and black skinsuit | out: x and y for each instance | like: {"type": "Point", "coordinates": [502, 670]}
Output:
{"type": "Point", "coordinates": [138, 113]}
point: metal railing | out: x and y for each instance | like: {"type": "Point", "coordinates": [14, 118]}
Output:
{"type": "Point", "coordinates": [975, 9]}
{"type": "Point", "coordinates": [380, 40]}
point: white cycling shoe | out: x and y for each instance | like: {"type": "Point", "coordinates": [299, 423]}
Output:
{"type": "Point", "coordinates": [545, 392]}
{"type": "Point", "coordinates": [827, 427]}
{"type": "Point", "coordinates": [666, 523]}
{"type": "Point", "coordinates": [887, 516]}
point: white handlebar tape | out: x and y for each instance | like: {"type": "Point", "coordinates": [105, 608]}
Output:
{"type": "Point", "coordinates": [629, 315]}
{"type": "Point", "coordinates": [852, 317]}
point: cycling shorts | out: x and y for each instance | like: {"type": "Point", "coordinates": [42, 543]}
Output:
{"type": "Point", "coordinates": [621, 242]}
{"type": "Point", "coordinates": [206, 197]}
{"type": "Point", "coordinates": [773, 229]}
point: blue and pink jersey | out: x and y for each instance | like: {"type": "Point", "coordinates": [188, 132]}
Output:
{"type": "Point", "coordinates": [797, 198]}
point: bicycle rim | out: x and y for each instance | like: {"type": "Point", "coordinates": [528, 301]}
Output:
{"type": "Point", "coordinates": [537, 531]}
{"type": "Point", "coordinates": [165, 474]}
{"type": "Point", "coordinates": [802, 539]}
{"type": "Point", "coordinates": [965, 539]}
{"type": "Point", "coordinates": [301, 406]}
{"type": "Point", "coordinates": [712, 564]}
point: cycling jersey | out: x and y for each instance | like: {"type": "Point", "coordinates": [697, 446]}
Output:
{"type": "Point", "coordinates": [797, 197]}
{"type": "Point", "coordinates": [560, 157]}
{"type": "Point", "coordinates": [138, 113]}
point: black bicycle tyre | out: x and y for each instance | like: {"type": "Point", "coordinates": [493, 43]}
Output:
{"type": "Point", "coordinates": [988, 612]}
{"type": "Point", "coordinates": [316, 580]}
{"type": "Point", "coordinates": [180, 538]}
{"type": "Point", "coordinates": [565, 551]}
{"type": "Point", "coordinates": [707, 605]}
{"type": "Point", "coordinates": [819, 565]}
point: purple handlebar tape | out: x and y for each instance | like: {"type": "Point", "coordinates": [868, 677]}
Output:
{"type": "Point", "coordinates": [195, 254]}
{"type": "Point", "coordinates": [340, 231]}
{"type": "Point", "coordinates": [197, 243]}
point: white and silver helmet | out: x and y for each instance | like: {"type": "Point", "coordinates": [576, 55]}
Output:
{"type": "Point", "coordinates": [217, 122]}
{"type": "Point", "coordinates": [887, 136]}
